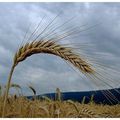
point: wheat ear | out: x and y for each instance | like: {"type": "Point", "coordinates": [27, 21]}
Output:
{"type": "Point", "coordinates": [49, 47]}
{"type": "Point", "coordinates": [58, 94]}
{"type": "Point", "coordinates": [33, 90]}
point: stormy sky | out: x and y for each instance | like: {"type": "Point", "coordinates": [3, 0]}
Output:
{"type": "Point", "coordinates": [46, 72]}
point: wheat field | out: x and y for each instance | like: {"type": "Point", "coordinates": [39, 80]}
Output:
{"type": "Point", "coordinates": [21, 107]}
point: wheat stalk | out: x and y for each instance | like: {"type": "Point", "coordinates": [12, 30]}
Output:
{"type": "Point", "coordinates": [83, 100]}
{"type": "Point", "coordinates": [49, 47]}
{"type": "Point", "coordinates": [58, 94]}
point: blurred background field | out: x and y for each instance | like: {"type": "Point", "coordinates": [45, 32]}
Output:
{"type": "Point", "coordinates": [54, 105]}
{"type": "Point", "coordinates": [47, 108]}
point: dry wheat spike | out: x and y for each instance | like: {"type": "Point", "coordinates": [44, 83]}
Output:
{"type": "Point", "coordinates": [58, 94]}
{"type": "Point", "coordinates": [51, 47]}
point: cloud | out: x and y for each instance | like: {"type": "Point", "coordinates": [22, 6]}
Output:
{"type": "Point", "coordinates": [47, 72]}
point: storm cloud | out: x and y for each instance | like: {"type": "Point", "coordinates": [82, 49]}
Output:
{"type": "Point", "coordinates": [47, 72]}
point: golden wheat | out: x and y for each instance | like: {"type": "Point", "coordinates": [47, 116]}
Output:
{"type": "Point", "coordinates": [86, 112]}
{"type": "Point", "coordinates": [73, 103]}
{"type": "Point", "coordinates": [49, 47]}
{"type": "Point", "coordinates": [23, 107]}
{"type": "Point", "coordinates": [45, 110]}
{"type": "Point", "coordinates": [12, 115]}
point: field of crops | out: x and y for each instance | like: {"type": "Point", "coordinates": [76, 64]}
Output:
{"type": "Point", "coordinates": [93, 68]}
{"type": "Point", "coordinates": [47, 108]}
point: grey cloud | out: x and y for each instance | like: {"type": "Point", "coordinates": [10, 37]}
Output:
{"type": "Point", "coordinates": [49, 72]}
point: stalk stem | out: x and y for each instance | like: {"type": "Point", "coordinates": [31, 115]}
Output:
{"type": "Point", "coordinates": [7, 90]}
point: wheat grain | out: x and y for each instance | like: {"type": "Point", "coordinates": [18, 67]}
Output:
{"type": "Point", "coordinates": [51, 47]}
